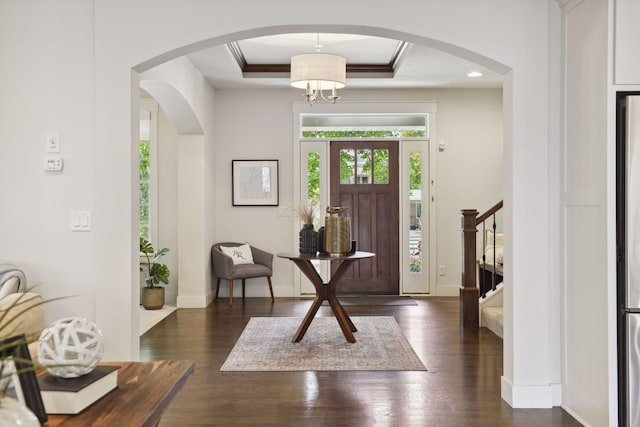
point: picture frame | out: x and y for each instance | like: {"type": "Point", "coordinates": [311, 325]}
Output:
{"type": "Point", "coordinates": [26, 384]}
{"type": "Point", "coordinates": [255, 183]}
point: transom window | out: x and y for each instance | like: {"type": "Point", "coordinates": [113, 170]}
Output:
{"type": "Point", "coordinates": [365, 126]}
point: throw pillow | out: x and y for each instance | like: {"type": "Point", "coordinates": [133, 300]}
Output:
{"type": "Point", "coordinates": [239, 254]}
{"type": "Point", "coordinates": [499, 255]}
{"type": "Point", "coordinates": [499, 250]}
{"type": "Point", "coordinates": [9, 287]}
{"type": "Point", "coordinates": [489, 239]}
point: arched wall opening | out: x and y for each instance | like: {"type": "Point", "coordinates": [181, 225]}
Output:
{"type": "Point", "coordinates": [173, 180]}
{"type": "Point", "coordinates": [200, 297]}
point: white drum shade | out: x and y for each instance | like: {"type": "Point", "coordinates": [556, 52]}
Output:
{"type": "Point", "coordinates": [324, 71]}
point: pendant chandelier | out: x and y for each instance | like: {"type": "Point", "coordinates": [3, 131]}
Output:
{"type": "Point", "coordinates": [318, 72]}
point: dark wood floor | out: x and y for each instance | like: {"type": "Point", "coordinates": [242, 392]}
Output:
{"type": "Point", "coordinates": [460, 388]}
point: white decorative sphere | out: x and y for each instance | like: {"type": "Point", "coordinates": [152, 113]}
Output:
{"type": "Point", "coordinates": [70, 347]}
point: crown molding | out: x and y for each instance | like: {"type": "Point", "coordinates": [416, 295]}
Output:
{"type": "Point", "coordinates": [282, 70]}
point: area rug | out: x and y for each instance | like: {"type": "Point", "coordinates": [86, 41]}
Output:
{"type": "Point", "coordinates": [265, 345]}
{"type": "Point", "coordinates": [374, 300]}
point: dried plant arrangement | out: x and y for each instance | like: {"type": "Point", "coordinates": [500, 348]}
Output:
{"type": "Point", "coordinates": [307, 212]}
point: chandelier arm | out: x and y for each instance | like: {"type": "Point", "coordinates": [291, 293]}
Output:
{"type": "Point", "coordinates": [331, 98]}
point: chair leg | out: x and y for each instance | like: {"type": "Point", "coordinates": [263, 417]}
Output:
{"type": "Point", "coordinates": [270, 288]}
{"type": "Point", "coordinates": [230, 293]}
{"type": "Point", "coordinates": [217, 288]}
{"type": "Point", "coordinates": [243, 288]}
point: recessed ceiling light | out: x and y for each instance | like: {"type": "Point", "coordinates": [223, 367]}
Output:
{"type": "Point", "coordinates": [474, 74]}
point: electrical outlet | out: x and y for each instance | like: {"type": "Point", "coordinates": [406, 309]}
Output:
{"type": "Point", "coordinates": [443, 270]}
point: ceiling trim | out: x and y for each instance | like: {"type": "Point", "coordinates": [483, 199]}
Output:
{"type": "Point", "coordinates": [283, 70]}
{"type": "Point", "coordinates": [358, 107]}
{"type": "Point", "coordinates": [236, 53]}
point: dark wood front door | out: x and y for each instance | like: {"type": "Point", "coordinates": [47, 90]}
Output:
{"type": "Point", "coordinates": [364, 178]}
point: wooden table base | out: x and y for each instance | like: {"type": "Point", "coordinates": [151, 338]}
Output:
{"type": "Point", "coordinates": [326, 291]}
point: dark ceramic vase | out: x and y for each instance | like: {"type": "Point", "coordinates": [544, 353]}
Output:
{"type": "Point", "coordinates": [308, 240]}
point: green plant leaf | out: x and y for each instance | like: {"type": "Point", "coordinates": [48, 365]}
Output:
{"type": "Point", "coordinates": [154, 272]}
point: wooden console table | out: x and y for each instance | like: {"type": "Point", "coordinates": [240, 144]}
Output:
{"type": "Point", "coordinates": [326, 291]}
{"type": "Point", "coordinates": [144, 391]}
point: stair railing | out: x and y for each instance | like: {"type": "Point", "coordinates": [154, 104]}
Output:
{"type": "Point", "coordinates": [469, 291]}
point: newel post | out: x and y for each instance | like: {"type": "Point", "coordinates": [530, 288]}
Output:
{"type": "Point", "coordinates": [469, 293]}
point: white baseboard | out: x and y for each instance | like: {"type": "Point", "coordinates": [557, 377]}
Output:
{"type": "Point", "coordinates": [556, 390]}
{"type": "Point", "coordinates": [527, 396]}
{"type": "Point", "coordinates": [447, 290]}
{"type": "Point", "coordinates": [195, 301]}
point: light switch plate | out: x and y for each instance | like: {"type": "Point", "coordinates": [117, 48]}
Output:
{"type": "Point", "coordinates": [80, 221]}
{"type": "Point", "coordinates": [53, 142]}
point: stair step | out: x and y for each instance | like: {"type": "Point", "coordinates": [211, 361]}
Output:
{"type": "Point", "coordinates": [492, 318]}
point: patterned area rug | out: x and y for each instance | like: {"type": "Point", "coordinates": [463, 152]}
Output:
{"type": "Point", "coordinates": [265, 345]}
{"type": "Point", "coordinates": [374, 300]}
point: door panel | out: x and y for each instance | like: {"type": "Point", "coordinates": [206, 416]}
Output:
{"type": "Point", "coordinates": [368, 187]}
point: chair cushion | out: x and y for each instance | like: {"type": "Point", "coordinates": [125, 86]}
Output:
{"type": "Point", "coordinates": [239, 254]}
{"type": "Point", "coordinates": [247, 271]}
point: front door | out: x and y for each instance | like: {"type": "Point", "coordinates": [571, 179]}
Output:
{"type": "Point", "coordinates": [364, 178]}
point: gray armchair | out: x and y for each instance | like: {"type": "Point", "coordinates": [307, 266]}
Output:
{"type": "Point", "coordinates": [224, 268]}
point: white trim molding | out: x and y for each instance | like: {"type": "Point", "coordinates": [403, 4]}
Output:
{"type": "Point", "coordinates": [527, 396]}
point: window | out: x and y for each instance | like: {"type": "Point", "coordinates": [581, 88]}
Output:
{"type": "Point", "coordinates": [364, 166]}
{"type": "Point", "coordinates": [313, 184]}
{"type": "Point", "coordinates": [365, 126]}
{"type": "Point", "coordinates": [147, 170]}
{"type": "Point", "coordinates": [415, 212]}
{"type": "Point", "coordinates": [145, 173]}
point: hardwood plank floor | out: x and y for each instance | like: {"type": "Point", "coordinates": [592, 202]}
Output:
{"type": "Point", "coordinates": [460, 388]}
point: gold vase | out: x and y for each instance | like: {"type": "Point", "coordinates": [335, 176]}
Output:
{"type": "Point", "coordinates": [337, 231]}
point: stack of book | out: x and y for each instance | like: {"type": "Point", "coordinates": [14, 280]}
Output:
{"type": "Point", "coordinates": [72, 395]}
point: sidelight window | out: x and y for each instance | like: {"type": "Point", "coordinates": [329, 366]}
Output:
{"type": "Point", "coordinates": [415, 213]}
{"type": "Point", "coordinates": [147, 168]}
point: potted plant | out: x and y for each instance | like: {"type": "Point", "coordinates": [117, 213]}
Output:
{"type": "Point", "coordinates": [155, 273]}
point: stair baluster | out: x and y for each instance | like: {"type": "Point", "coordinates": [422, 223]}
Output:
{"type": "Point", "coordinates": [493, 273]}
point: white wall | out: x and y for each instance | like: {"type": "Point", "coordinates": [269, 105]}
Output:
{"type": "Point", "coordinates": [168, 140]}
{"type": "Point", "coordinates": [470, 170]}
{"type": "Point", "coordinates": [259, 125]}
{"type": "Point", "coordinates": [89, 61]}
{"type": "Point", "coordinates": [46, 85]}
{"type": "Point", "coordinates": [255, 125]}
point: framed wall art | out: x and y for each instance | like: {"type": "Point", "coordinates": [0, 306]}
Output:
{"type": "Point", "coordinates": [254, 182]}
